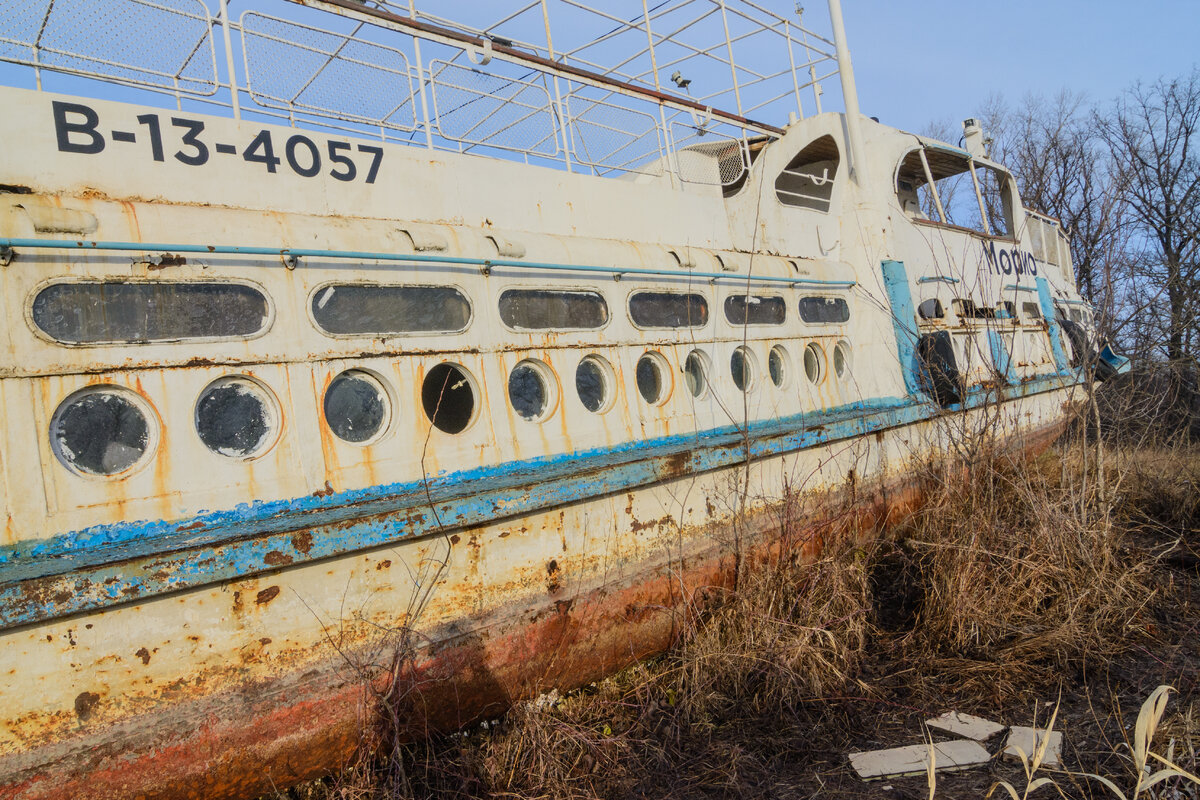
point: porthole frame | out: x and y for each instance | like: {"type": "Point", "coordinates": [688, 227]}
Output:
{"type": "Point", "coordinates": [272, 405]}
{"type": "Point", "coordinates": [785, 358]}
{"type": "Point", "coordinates": [40, 286]}
{"type": "Point", "coordinates": [476, 396]}
{"type": "Point", "coordinates": [609, 380]}
{"type": "Point", "coordinates": [666, 378]}
{"type": "Point", "coordinates": [312, 320]}
{"type": "Point", "coordinates": [750, 358]}
{"type": "Point", "coordinates": [846, 350]}
{"type": "Point", "coordinates": [549, 380]}
{"type": "Point", "coordinates": [822, 367]}
{"type": "Point", "coordinates": [142, 403]}
{"type": "Point", "coordinates": [389, 395]}
{"type": "Point", "coordinates": [706, 370]}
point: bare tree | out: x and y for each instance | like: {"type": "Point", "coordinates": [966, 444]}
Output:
{"type": "Point", "coordinates": [1152, 134]}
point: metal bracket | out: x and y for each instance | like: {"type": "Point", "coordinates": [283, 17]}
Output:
{"type": "Point", "coordinates": [481, 59]}
{"type": "Point", "coordinates": [290, 261]}
{"type": "Point", "coordinates": [486, 269]}
{"type": "Point", "coordinates": [6, 256]}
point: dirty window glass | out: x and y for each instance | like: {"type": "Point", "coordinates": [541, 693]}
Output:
{"type": "Point", "coordinates": [151, 311]}
{"type": "Point", "coordinates": [741, 309]}
{"type": "Point", "coordinates": [931, 309]}
{"type": "Point", "coordinates": [824, 310]}
{"type": "Point", "coordinates": [969, 309]}
{"type": "Point", "coordinates": [99, 433]}
{"type": "Point", "coordinates": [540, 309]}
{"type": "Point", "coordinates": [356, 407]}
{"type": "Point", "coordinates": [374, 310]}
{"type": "Point", "coordinates": [233, 418]}
{"type": "Point", "coordinates": [668, 310]}
{"type": "Point", "coordinates": [1032, 310]}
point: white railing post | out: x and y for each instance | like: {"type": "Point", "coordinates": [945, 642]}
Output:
{"type": "Point", "coordinates": [858, 151]}
{"type": "Point", "coordinates": [233, 85]}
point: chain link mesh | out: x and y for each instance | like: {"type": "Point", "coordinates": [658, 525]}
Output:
{"type": "Point", "coordinates": [477, 107]}
{"type": "Point", "coordinates": [297, 67]}
{"type": "Point", "coordinates": [613, 138]}
{"type": "Point", "coordinates": [708, 156]}
{"type": "Point", "coordinates": [160, 43]}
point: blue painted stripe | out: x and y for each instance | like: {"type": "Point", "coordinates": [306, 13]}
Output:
{"type": "Point", "coordinates": [355, 255]}
{"type": "Point", "coordinates": [127, 562]}
{"type": "Point", "coordinates": [1050, 315]}
{"type": "Point", "coordinates": [937, 279]}
{"type": "Point", "coordinates": [1001, 358]}
{"type": "Point", "coordinates": [904, 323]}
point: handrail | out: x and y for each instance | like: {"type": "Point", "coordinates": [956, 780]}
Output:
{"type": "Point", "coordinates": [485, 263]}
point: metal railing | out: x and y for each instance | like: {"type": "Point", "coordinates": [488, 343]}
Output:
{"type": "Point", "coordinates": [619, 88]}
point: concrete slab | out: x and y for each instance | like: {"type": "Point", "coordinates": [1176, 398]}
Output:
{"type": "Point", "coordinates": [1024, 738]}
{"type": "Point", "coordinates": [914, 759]}
{"type": "Point", "coordinates": [971, 727]}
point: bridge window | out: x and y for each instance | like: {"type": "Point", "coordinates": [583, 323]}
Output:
{"type": "Point", "coordinates": [668, 310]}
{"type": "Point", "coordinates": [955, 178]}
{"type": "Point", "coordinates": [129, 312]}
{"type": "Point", "coordinates": [1032, 311]}
{"type": "Point", "coordinates": [542, 309]}
{"type": "Point", "coordinates": [807, 181]}
{"type": "Point", "coordinates": [742, 309]}
{"type": "Point", "coordinates": [350, 309]}
{"type": "Point", "coordinates": [931, 309]}
{"type": "Point", "coordinates": [824, 310]}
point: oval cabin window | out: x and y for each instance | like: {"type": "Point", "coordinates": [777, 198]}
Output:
{"type": "Point", "coordinates": [668, 310]}
{"type": "Point", "coordinates": [743, 309]}
{"type": "Point", "coordinates": [824, 310]}
{"type": "Point", "coordinates": [126, 312]}
{"type": "Point", "coordinates": [541, 309]}
{"type": "Point", "coordinates": [374, 310]}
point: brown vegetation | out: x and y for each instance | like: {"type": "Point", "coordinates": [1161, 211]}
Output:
{"type": "Point", "coordinates": [1017, 582]}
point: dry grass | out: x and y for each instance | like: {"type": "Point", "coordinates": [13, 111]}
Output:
{"type": "Point", "coordinates": [1015, 575]}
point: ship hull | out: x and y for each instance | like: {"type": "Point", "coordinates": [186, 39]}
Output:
{"type": "Point", "coordinates": [250, 685]}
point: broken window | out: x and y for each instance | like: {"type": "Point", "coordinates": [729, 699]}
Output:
{"type": "Point", "coordinates": [824, 310]}
{"type": "Point", "coordinates": [543, 309]}
{"type": "Point", "coordinates": [954, 177]}
{"type": "Point", "coordinates": [742, 309]}
{"type": "Point", "coordinates": [448, 397]}
{"type": "Point", "coordinates": [931, 309]}
{"type": "Point", "coordinates": [1032, 311]}
{"type": "Point", "coordinates": [668, 310]}
{"type": "Point", "coordinates": [969, 309]}
{"type": "Point", "coordinates": [807, 181]}
{"type": "Point", "coordinates": [127, 312]}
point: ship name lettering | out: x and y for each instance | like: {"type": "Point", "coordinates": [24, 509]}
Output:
{"type": "Point", "coordinates": [1007, 262]}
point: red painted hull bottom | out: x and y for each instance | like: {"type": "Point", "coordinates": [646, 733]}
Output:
{"type": "Point", "coordinates": [266, 738]}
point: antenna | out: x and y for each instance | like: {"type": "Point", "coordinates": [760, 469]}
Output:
{"type": "Point", "coordinates": [858, 151]}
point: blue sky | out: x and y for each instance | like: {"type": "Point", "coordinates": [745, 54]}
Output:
{"type": "Point", "coordinates": [926, 60]}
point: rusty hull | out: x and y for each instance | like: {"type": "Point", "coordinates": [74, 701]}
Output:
{"type": "Point", "coordinates": [270, 734]}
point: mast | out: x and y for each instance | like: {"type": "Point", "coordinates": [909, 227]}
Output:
{"type": "Point", "coordinates": [858, 152]}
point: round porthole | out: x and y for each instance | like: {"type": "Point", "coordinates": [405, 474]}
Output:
{"type": "Point", "coordinates": [357, 408]}
{"type": "Point", "coordinates": [695, 373]}
{"type": "Point", "coordinates": [448, 397]}
{"type": "Point", "coordinates": [742, 368]}
{"type": "Point", "coordinates": [593, 383]}
{"type": "Point", "coordinates": [531, 390]}
{"type": "Point", "coordinates": [841, 359]}
{"type": "Point", "coordinates": [653, 378]}
{"type": "Point", "coordinates": [814, 363]}
{"type": "Point", "coordinates": [101, 431]}
{"type": "Point", "coordinates": [235, 417]}
{"type": "Point", "coordinates": [777, 366]}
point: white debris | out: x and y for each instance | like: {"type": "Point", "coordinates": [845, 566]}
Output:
{"type": "Point", "coordinates": [914, 759]}
{"type": "Point", "coordinates": [1023, 738]}
{"type": "Point", "coordinates": [971, 727]}
{"type": "Point", "coordinates": [546, 701]}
